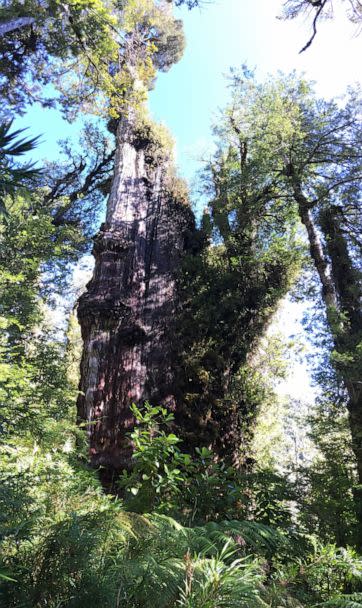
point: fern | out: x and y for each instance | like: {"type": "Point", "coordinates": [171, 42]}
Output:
{"type": "Point", "coordinates": [247, 536]}
{"type": "Point", "coordinates": [354, 600]}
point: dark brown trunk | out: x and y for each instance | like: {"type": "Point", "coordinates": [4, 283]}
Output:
{"type": "Point", "coordinates": [127, 312]}
{"type": "Point", "coordinates": [347, 279]}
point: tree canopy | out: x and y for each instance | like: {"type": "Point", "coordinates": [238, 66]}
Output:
{"type": "Point", "coordinates": [223, 493]}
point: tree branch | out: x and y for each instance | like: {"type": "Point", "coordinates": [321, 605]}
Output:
{"type": "Point", "coordinates": [317, 15]}
{"type": "Point", "coordinates": [15, 24]}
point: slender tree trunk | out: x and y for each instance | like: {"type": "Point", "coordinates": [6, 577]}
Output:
{"type": "Point", "coordinates": [348, 283]}
{"type": "Point", "coordinates": [347, 279]}
{"type": "Point", "coordinates": [341, 290]}
{"type": "Point", "coordinates": [15, 24]}
{"type": "Point", "coordinates": [316, 248]}
{"type": "Point", "coordinates": [126, 315]}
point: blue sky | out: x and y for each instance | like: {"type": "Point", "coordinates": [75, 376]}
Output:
{"type": "Point", "coordinates": [222, 34]}
{"type": "Point", "coordinates": [229, 33]}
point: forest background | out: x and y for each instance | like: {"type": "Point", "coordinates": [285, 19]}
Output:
{"type": "Point", "coordinates": [187, 99]}
{"type": "Point", "coordinates": [279, 532]}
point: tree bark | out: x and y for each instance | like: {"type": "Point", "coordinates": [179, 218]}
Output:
{"type": "Point", "coordinates": [315, 246]}
{"type": "Point", "coordinates": [347, 280]}
{"type": "Point", "coordinates": [15, 24]}
{"type": "Point", "coordinates": [341, 291]}
{"type": "Point", "coordinates": [127, 313]}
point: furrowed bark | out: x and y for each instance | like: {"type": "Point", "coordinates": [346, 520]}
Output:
{"type": "Point", "coordinates": [127, 313]}
{"type": "Point", "coordinates": [315, 246]}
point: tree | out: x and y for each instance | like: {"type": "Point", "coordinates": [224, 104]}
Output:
{"type": "Point", "coordinates": [311, 154]}
{"type": "Point", "coordinates": [126, 314]}
{"type": "Point", "coordinates": [74, 187]}
{"type": "Point", "coordinates": [40, 42]}
{"type": "Point", "coordinates": [128, 323]}
{"type": "Point", "coordinates": [229, 293]}
{"type": "Point", "coordinates": [332, 158]}
{"type": "Point", "coordinates": [79, 48]}
{"type": "Point", "coordinates": [325, 486]}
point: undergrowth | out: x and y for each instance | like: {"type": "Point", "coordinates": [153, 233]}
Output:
{"type": "Point", "coordinates": [66, 543]}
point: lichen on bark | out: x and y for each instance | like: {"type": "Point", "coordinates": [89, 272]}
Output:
{"type": "Point", "coordinates": [127, 312]}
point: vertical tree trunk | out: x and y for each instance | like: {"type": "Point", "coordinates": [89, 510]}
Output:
{"type": "Point", "coordinates": [347, 280]}
{"type": "Point", "coordinates": [341, 291]}
{"type": "Point", "coordinates": [315, 246]}
{"type": "Point", "coordinates": [126, 315]}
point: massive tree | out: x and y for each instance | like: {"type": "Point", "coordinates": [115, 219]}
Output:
{"type": "Point", "coordinates": [127, 313]}
{"type": "Point", "coordinates": [162, 326]}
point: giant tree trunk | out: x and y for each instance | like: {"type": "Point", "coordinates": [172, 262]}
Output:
{"type": "Point", "coordinates": [126, 314]}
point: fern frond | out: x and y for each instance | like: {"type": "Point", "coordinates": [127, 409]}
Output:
{"type": "Point", "coordinates": [354, 600]}
{"type": "Point", "coordinates": [250, 536]}
{"type": "Point", "coordinates": [153, 583]}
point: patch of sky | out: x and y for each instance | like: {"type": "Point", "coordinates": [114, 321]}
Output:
{"type": "Point", "coordinates": [224, 34]}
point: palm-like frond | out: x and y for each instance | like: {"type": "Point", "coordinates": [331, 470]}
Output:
{"type": "Point", "coordinates": [12, 174]}
{"type": "Point", "coordinates": [10, 146]}
{"type": "Point", "coordinates": [222, 581]}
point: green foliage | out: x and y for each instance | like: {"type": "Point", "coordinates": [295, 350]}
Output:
{"type": "Point", "coordinates": [325, 485]}
{"type": "Point", "coordinates": [302, 157]}
{"type": "Point", "coordinates": [198, 522]}
{"type": "Point", "coordinates": [215, 582]}
{"type": "Point", "coordinates": [35, 254]}
{"type": "Point", "coordinates": [198, 489]}
{"type": "Point", "coordinates": [29, 228]}
{"type": "Point", "coordinates": [92, 51]}
{"type": "Point", "coordinates": [154, 138]}
{"type": "Point", "coordinates": [325, 573]}
{"type": "Point", "coordinates": [354, 600]}
{"type": "Point", "coordinates": [44, 50]}
{"type": "Point", "coordinates": [156, 479]}
{"type": "Point", "coordinates": [70, 544]}
{"type": "Point", "coordinates": [231, 288]}
{"type": "Point", "coordinates": [14, 175]}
